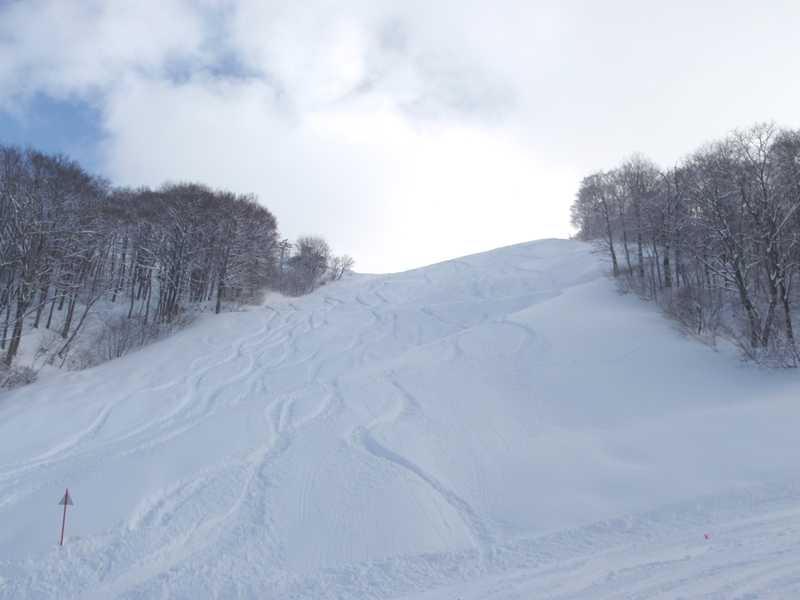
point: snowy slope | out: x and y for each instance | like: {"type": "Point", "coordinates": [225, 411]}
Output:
{"type": "Point", "coordinates": [501, 426]}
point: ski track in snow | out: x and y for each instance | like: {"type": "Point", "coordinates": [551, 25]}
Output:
{"type": "Point", "coordinates": [488, 427]}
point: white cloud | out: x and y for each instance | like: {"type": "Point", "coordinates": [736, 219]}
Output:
{"type": "Point", "coordinates": [405, 132]}
{"type": "Point", "coordinates": [82, 48]}
{"type": "Point", "coordinates": [392, 193]}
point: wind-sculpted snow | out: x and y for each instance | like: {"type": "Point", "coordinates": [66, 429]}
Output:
{"type": "Point", "coordinates": [500, 426]}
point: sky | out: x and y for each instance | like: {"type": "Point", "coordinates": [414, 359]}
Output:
{"type": "Point", "coordinates": [405, 132]}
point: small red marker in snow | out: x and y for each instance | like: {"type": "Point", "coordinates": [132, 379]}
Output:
{"type": "Point", "coordinates": [707, 536]}
{"type": "Point", "coordinates": [66, 501]}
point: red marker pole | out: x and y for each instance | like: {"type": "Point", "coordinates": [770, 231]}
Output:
{"type": "Point", "coordinates": [66, 501]}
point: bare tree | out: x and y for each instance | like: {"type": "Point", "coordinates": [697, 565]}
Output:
{"type": "Point", "coordinates": [721, 229]}
{"type": "Point", "coordinates": [341, 265]}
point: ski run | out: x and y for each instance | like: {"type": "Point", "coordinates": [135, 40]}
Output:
{"type": "Point", "coordinates": [502, 426]}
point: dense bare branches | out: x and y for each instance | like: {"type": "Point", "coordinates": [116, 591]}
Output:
{"type": "Point", "coordinates": [68, 240]}
{"type": "Point", "coordinates": [715, 239]}
{"type": "Point", "coordinates": [309, 263]}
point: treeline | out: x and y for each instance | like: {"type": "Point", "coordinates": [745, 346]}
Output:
{"type": "Point", "coordinates": [69, 240]}
{"type": "Point", "coordinates": [714, 239]}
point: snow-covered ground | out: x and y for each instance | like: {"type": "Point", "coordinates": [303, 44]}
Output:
{"type": "Point", "coordinates": [501, 426]}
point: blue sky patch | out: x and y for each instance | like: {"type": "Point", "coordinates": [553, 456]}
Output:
{"type": "Point", "coordinates": [57, 126]}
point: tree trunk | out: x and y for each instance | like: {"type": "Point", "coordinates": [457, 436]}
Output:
{"type": "Point", "coordinates": [50, 313]}
{"type": "Point", "coordinates": [610, 235]}
{"type": "Point", "coordinates": [639, 245]}
{"type": "Point", "coordinates": [16, 335]}
{"type": "Point", "coordinates": [749, 307]}
{"type": "Point", "coordinates": [773, 274]}
{"type": "Point", "coordinates": [787, 320]}
{"type": "Point", "coordinates": [657, 263]}
{"type": "Point", "coordinates": [625, 243]}
{"type": "Point", "coordinates": [667, 268]}
{"type": "Point", "coordinates": [70, 312]}
{"type": "Point", "coordinates": [62, 353]}
{"type": "Point", "coordinates": [42, 301]}
{"type": "Point", "coordinates": [123, 267]}
{"type": "Point", "coordinates": [149, 293]}
{"type": "Point", "coordinates": [133, 287]}
{"type": "Point", "coordinates": [7, 319]}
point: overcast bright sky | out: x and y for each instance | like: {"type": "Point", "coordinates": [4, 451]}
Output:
{"type": "Point", "coordinates": [405, 132]}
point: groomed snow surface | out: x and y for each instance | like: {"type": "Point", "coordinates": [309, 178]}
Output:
{"type": "Point", "coordinates": [501, 426]}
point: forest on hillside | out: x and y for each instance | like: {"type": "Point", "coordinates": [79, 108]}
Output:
{"type": "Point", "coordinates": [714, 239]}
{"type": "Point", "coordinates": [70, 243]}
